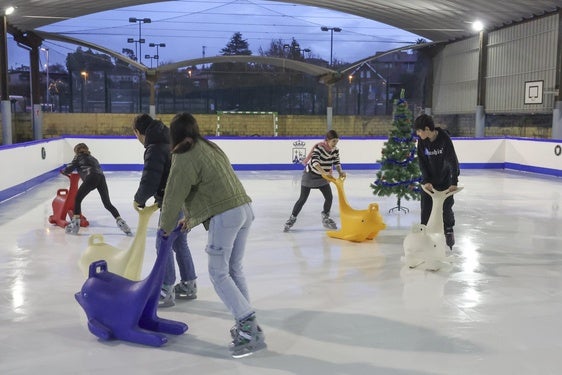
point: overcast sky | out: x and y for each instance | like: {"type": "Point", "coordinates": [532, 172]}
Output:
{"type": "Point", "coordinates": [189, 27]}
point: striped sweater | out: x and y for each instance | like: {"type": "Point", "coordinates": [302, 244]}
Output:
{"type": "Point", "coordinates": [326, 159]}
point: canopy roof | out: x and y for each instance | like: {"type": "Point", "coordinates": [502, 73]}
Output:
{"type": "Point", "coordinates": [436, 20]}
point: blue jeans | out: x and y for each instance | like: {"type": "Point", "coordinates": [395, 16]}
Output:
{"type": "Point", "coordinates": [227, 237]}
{"type": "Point", "coordinates": [183, 258]}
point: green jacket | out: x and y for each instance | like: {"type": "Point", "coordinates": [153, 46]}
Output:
{"type": "Point", "coordinates": [203, 183]}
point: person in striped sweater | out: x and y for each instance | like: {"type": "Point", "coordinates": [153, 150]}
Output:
{"type": "Point", "coordinates": [321, 160]}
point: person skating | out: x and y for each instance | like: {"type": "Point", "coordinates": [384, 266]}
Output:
{"type": "Point", "coordinates": [323, 157]}
{"type": "Point", "coordinates": [203, 184]}
{"type": "Point", "coordinates": [92, 178]}
{"type": "Point", "coordinates": [439, 166]}
{"type": "Point", "coordinates": [155, 137]}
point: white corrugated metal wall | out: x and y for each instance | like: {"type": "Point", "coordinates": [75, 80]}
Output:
{"type": "Point", "coordinates": [516, 54]}
{"type": "Point", "coordinates": [455, 78]}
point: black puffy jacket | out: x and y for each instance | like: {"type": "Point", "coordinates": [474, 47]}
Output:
{"type": "Point", "coordinates": [157, 161]}
{"type": "Point", "coordinates": [84, 164]}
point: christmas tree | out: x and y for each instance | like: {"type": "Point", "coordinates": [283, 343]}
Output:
{"type": "Point", "coordinates": [400, 172]}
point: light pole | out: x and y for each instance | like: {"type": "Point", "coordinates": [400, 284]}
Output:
{"type": "Point", "coordinates": [157, 56]}
{"type": "Point", "coordinates": [84, 74]}
{"type": "Point", "coordinates": [140, 21]}
{"type": "Point", "coordinates": [295, 50]}
{"type": "Point", "coordinates": [133, 40]}
{"type": "Point", "coordinates": [289, 48]}
{"type": "Point", "coordinates": [329, 106]}
{"type": "Point", "coordinates": [46, 50]}
{"type": "Point", "coordinates": [331, 30]}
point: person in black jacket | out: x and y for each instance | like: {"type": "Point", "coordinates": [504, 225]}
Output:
{"type": "Point", "coordinates": [92, 178]}
{"type": "Point", "coordinates": [440, 170]}
{"type": "Point", "coordinates": [155, 137]}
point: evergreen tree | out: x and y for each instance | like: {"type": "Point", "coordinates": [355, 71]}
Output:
{"type": "Point", "coordinates": [236, 46]}
{"type": "Point", "coordinates": [88, 61]}
{"type": "Point", "coordinates": [279, 48]}
{"type": "Point", "coordinates": [232, 78]}
{"type": "Point", "coordinates": [400, 172]}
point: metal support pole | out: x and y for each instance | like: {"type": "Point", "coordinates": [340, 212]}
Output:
{"type": "Point", "coordinates": [47, 96]}
{"type": "Point", "coordinates": [4, 96]}
{"type": "Point", "coordinates": [331, 46]}
{"type": "Point", "coordinates": [557, 110]}
{"type": "Point", "coordinates": [480, 123]}
{"type": "Point", "coordinates": [329, 109]}
{"type": "Point", "coordinates": [557, 121]}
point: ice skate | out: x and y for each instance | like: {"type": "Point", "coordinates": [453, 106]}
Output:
{"type": "Point", "coordinates": [328, 222]}
{"type": "Point", "coordinates": [74, 226]}
{"type": "Point", "coordinates": [167, 296]}
{"type": "Point", "coordinates": [186, 290]}
{"type": "Point", "coordinates": [124, 227]}
{"type": "Point", "coordinates": [248, 338]}
{"type": "Point", "coordinates": [289, 223]}
{"type": "Point", "coordinates": [450, 237]}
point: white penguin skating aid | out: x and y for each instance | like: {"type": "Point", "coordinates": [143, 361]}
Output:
{"type": "Point", "coordinates": [426, 245]}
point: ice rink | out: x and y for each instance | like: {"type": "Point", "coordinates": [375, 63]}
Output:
{"type": "Point", "coordinates": [327, 306]}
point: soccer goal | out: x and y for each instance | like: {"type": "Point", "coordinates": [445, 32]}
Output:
{"type": "Point", "coordinates": [247, 123]}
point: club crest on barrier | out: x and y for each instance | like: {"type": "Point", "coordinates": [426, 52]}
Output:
{"type": "Point", "coordinates": [298, 151]}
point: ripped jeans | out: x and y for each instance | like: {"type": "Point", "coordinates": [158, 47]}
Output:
{"type": "Point", "coordinates": [228, 232]}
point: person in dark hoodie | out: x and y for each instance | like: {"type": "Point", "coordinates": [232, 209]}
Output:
{"type": "Point", "coordinates": [440, 170]}
{"type": "Point", "coordinates": [92, 178]}
{"type": "Point", "coordinates": [155, 137]}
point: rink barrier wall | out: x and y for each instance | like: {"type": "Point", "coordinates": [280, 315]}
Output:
{"type": "Point", "coordinates": [26, 165]}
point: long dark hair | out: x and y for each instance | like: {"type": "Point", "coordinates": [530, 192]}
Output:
{"type": "Point", "coordinates": [184, 133]}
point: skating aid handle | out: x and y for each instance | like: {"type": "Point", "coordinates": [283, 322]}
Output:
{"type": "Point", "coordinates": [96, 267]}
{"type": "Point", "coordinates": [148, 210]}
{"type": "Point", "coordinates": [446, 192]}
{"type": "Point", "coordinates": [95, 237]}
{"type": "Point", "coordinates": [62, 192]}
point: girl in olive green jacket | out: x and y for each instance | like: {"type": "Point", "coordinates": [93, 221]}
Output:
{"type": "Point", "coordinates": [203, 183]}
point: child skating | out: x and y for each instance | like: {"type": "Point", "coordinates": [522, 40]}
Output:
{"type": "Point", "coordinates": [92, 178]}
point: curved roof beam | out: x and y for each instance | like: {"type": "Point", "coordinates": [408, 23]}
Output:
{"type": "Point", "coordinates": [325, 75]}
{"type": "Point", "coordinates": [79, 42]}
{"type": "Point", "coordinates": [313, 70]}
